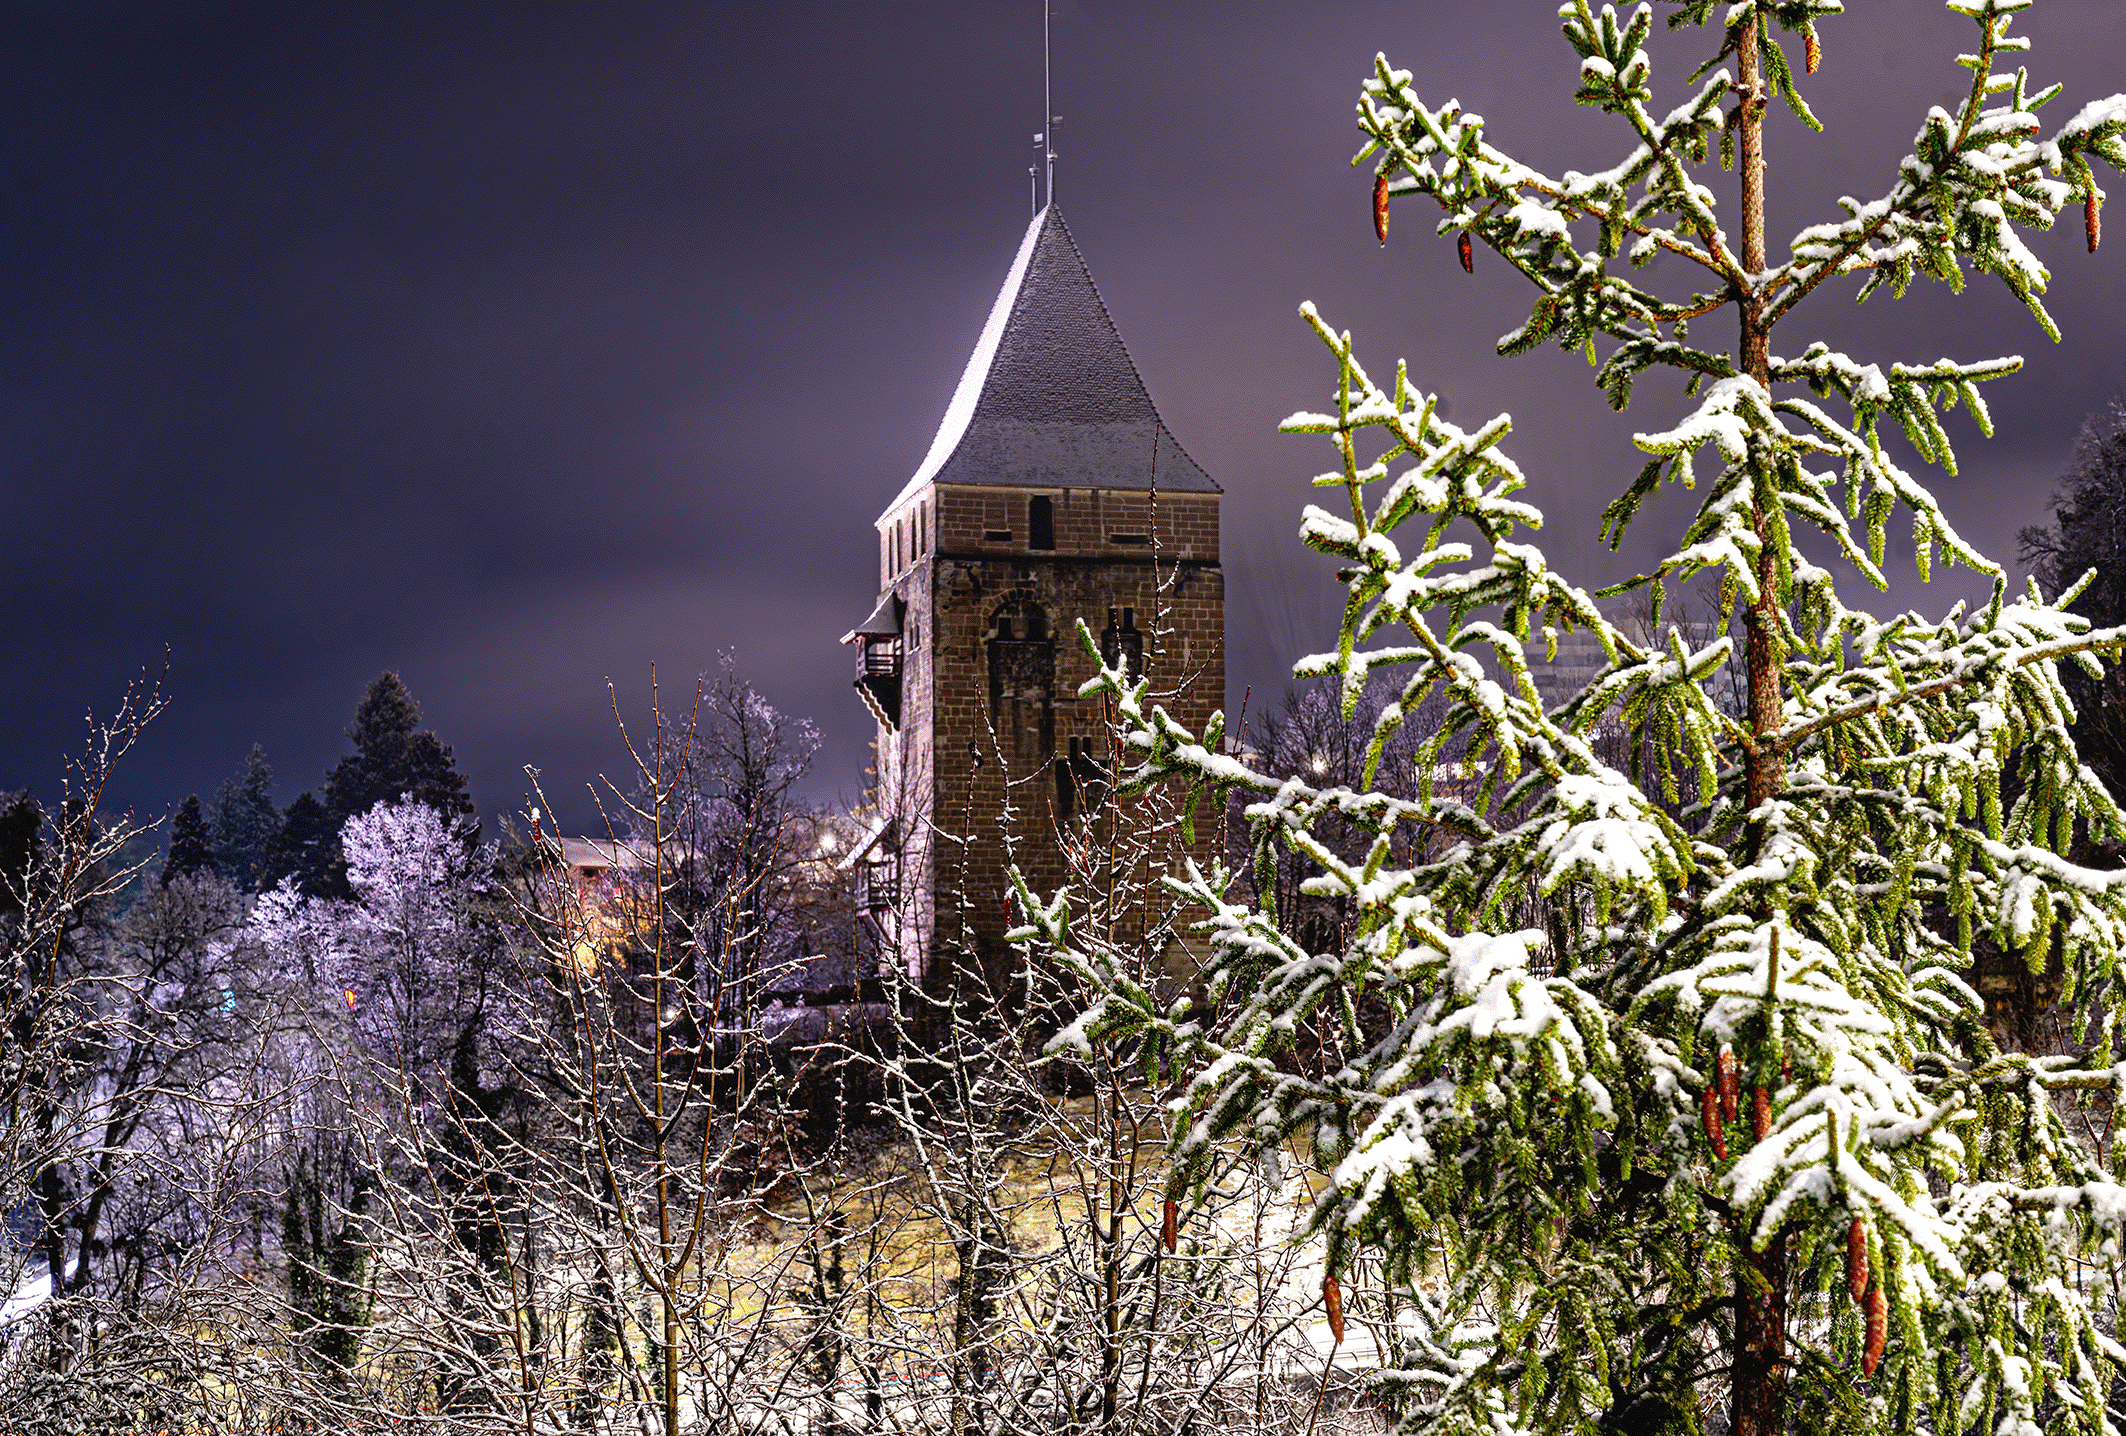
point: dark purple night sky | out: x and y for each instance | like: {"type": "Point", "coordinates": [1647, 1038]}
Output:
{"type": "Point", "coordinates": [516, 346]}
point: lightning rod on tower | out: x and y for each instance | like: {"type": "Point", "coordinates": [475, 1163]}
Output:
{"type": "Point", "coordinates": [1047, 137]}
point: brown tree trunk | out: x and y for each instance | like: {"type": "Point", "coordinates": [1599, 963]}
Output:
{"type": "Point", "coordinates": [1759, 1381]}
{"type": "Point", "coordinates": [1760, 1366]}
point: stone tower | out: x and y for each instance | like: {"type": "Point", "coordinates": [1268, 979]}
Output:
{"type": "Point", "coordinates": [1052, 493]}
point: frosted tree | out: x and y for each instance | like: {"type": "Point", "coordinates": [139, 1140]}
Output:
{"type": "Point", "coordinates": [738, 879]}
{"type": "Point", "coordinates": [397, 993]}
{"type": "Point", "coordinates": [88, 1031]}
{"type": "Point", "coordinates": [1728, 1130]}
{"type": "Point", "coordinates": [401, 971]}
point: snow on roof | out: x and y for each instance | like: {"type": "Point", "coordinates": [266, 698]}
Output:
{"type": "Point", "coordinates": [596, 855]}
{"type": "Point", "coordinates": [601, 853]}
{"type": "Point", "coordinates": [884, 622]}
{"type": "Point", "coordinates": [1050, 397]}
{"type": "Point", "coordinates": [861, 848]}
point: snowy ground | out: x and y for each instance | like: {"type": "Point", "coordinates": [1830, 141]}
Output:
{"type": "Point", "coordinates": [32, 1290]}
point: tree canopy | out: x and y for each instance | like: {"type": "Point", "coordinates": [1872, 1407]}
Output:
{"type": "Point", "coordinates": [245, 822]}
{"type": "Point", "coordinates": [191, 845]}
{"type": "Point", "coordinates": [394, 757]}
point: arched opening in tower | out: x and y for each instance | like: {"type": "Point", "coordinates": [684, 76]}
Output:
{"type": "Point", "coordinates": [1022, 683]}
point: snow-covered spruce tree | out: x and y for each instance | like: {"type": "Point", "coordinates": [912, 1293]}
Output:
{"type": "Point", "coordinates": [1730, 1130]}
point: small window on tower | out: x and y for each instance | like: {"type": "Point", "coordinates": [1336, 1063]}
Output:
{"type": "Point", "coordinates": [1080, 780]}
{"type": "Point", "coordinates": [1041, 522]}
{"type": "Point", "coordinates": [1122, 646]}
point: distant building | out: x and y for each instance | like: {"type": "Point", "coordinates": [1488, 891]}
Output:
{"type": "Point", "coordinates": [610, 883]}
{"type": "Point", "coordinates": [1052, 493]}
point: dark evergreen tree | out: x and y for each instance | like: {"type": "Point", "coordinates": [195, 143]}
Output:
{"type": "Point", "coordinates": [2087, 535]}
{"type": "Point", "coordinates": [245, 822]}
{"type": "Point", "coordinates": [305, 849]}
{"type": "Point", "coordinates": [394, 757]}
{"type": "Point", "coordinates": [191, 844]}
{"type": "Point", "coordinates": [21, 844]}
{"type": "Point", "coordinates": [326, 1292]}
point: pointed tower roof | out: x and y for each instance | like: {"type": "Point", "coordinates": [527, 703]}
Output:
{"type": "Point", "coordinates": [1050, 398]}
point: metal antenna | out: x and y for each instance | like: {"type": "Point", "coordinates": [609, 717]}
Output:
{"type": "Point", "coordinates": [1048, 110]}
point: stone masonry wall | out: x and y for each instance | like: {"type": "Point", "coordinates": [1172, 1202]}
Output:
{"type": "Point", "coordinates": [1175, 607]}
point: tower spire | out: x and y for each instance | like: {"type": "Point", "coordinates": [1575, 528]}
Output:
{"type": "Point", "coordinates": [1050, 396]}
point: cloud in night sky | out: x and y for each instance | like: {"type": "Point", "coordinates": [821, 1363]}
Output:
{"type": "Point", "coordinates": [517, 346]}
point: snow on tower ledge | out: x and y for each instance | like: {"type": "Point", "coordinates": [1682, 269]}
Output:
{"type": "Point", "coordinates": [1050, 398]}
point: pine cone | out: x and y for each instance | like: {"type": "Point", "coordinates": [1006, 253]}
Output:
{"type": "Point", "coordinates": [1709, 1110]}
{"type": "Point", "coordinates": [2092, 220]}
{"type": "Point", "coordinates": [1333, 1298]}
{"type": "Point", "coordinates": [1380, 207]}
{"type": "Point", "coordinates": [1856, 1261]}
{"type": "Point", "coordinates": [1462, 244]}
{"type": "Point", "coordinates": [1878, 1310]}
{"type": "Point", "coordinates": [1729, 1074]}
{"type": "Point", "coordinates": [1170, 1224]}
{"type": "Point", "coordinates": [1811, 50]}
{"type": "Point", "coordinates": [1761, 1114]}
